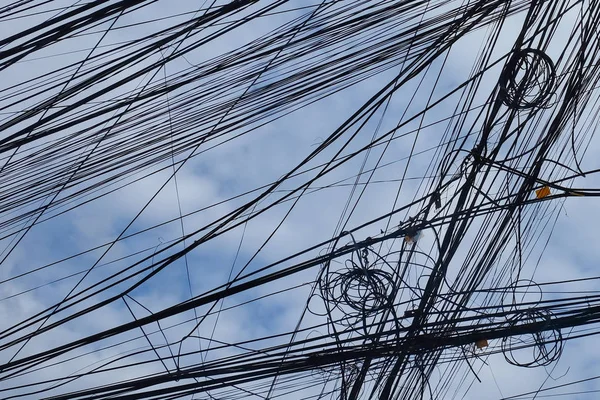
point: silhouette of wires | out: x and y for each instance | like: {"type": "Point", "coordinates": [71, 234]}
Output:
{"type": "Point", "coordinates": [364, 287]}
{"type": "Point", "coordinates": [479, 191]}
{"type": "Point", "coordinates": [541, 348]}
{"type": "Point", "coordinates": [528, 80]}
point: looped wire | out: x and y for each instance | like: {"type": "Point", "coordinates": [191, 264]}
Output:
{"type": "Point", "coordinates": [537, 349]}
{"type": "Point", "coordinates": [528, 80]}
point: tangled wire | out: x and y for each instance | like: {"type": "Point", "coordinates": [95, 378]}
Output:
{"type": "Point", "coordinates": [361, 289]}
{"type": "Point", "coordinates": [348, 371]}
{"type": "Point", "coordinates": [533, 350]}
{"type": "Point", "coordinates": [366, 291]}
{"type": "Point", "coordinates": [528, 80]}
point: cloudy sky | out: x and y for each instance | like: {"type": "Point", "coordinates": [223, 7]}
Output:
{"type": "Point", "coordinates": [124, 225]}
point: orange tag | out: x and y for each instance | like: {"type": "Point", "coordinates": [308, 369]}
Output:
{"type": "Point", "coordinates": [481, 343]}
{"type": "Point", "coordinates": [542, 192]}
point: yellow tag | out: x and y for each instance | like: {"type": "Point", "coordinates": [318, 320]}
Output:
{"type": "Point", "coordinates": [542, 192]}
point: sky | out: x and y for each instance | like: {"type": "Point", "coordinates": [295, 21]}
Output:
{"type": "Point", "coordinates": [154, 195]}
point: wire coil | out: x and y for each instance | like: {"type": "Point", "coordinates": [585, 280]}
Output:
{"type": "Point", "coordinates": [528, 80]}
{"type": "Point", "coordinates": [366, 286]}
{"type": "Point", "coordinates": [533, 350]}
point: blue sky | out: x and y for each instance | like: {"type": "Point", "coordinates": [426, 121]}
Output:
{"type": "Point", "coordinates": [250, 161]}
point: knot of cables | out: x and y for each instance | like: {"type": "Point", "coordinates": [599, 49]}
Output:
{"type": "Point", "coordinates": [537, 349]}
{"type": "Point", "coordinates": [360, 290]}
{"type": "Point", "coordinates": [528, 80]}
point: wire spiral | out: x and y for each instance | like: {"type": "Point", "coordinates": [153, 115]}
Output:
{"type": "Point", "coordinates": [528, 80]}
{"type": "Point", "coordinates": [533, 350]}
{"type": "Point", "coordinates": [364, 291]}
{"type": "Point", "coordinates": [365, 287]}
